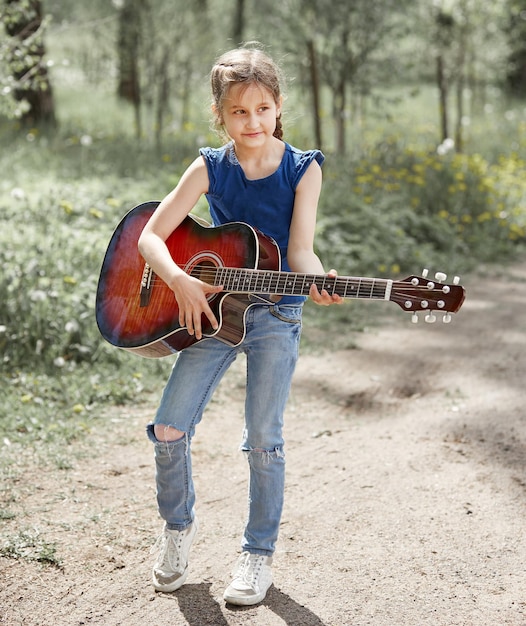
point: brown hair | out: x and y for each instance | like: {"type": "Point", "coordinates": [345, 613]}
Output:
{"type": "Point", "coordinates": [244, 65]}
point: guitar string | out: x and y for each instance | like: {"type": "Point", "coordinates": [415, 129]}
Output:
{"type": "Point", "coordinates": [272, 275]}
{"type": "Point", "coordinates": [404, 288]}
{"type": "Point", "coordinates": [287, 276]}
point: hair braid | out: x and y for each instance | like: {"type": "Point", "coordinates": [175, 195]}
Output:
{"type": "Point", "coordinates": [278, 133]}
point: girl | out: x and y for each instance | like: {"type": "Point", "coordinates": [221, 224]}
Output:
{"type": "Point", "coordinates": [258, 179]}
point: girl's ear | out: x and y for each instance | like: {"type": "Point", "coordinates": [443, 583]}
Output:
{"type": "Point", "coordinates": [279, 104]}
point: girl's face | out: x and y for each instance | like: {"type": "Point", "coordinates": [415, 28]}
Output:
{"type": "Point", "coordinates": [249, 114]}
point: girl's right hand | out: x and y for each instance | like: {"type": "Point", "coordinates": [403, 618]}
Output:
{"type": "Point", "coordinates": [191, 296]}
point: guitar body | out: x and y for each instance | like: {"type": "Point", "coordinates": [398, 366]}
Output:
{"type": "Point", "coordinates": [136, 311]}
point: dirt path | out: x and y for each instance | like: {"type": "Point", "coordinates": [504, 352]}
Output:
{"type": "Point", "coordinates": [406, 493]}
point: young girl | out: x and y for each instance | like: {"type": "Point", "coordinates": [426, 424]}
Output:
{"type": "Point", "coordinates": [258, 179]}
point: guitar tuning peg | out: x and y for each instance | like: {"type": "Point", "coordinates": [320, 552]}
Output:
{"type": "Point", "coordinates": [430, 318]}
{"type": "Point", "coordinates": [447, 318]}
{"type": "Point", "coordinates": [456, 280]}
{"type": "Point", "coordinates": [425, 272]}
{"type": "Point", "coordinates": [414, 318]}
{"type": "Point", "coordinates": [440, 276]}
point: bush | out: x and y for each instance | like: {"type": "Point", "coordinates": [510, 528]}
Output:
{"type": "Point", "coordinates": [403, 208]}
{"type": "Point", "coordinates": [50, 251]}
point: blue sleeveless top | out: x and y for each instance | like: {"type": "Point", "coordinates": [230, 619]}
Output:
{"type": "Point", "coordinates": [266, 203]}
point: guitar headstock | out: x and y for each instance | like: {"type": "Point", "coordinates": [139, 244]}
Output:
{"type": "Point", "coordinates": [420, 293]}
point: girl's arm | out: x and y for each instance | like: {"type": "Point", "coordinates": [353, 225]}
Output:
{"type": "Point", "coordinates": [189, 292]}
{"type": "Point", "coordinates": [300, 253]}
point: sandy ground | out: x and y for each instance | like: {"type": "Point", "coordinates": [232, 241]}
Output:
{"type": "Point", "coordinates": [405, 502]}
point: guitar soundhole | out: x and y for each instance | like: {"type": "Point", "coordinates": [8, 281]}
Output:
{"type": "Point", "coordinates": [202, 272]}
{"type": "Point", "coordinates": [203, 265]}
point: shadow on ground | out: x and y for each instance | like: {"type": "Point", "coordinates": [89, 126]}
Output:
{"type": "Point", "coordinates": [200, 608]}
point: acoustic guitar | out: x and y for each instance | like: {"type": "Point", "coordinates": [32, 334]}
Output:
{"type": "Point", "coordinates": [136, 310]}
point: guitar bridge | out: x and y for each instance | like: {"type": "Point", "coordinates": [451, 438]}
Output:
{"type": "Point", "coordinates": [146, 286]}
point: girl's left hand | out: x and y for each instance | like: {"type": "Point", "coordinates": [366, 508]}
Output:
{"type": "Point", "coordinates": [323, 297]}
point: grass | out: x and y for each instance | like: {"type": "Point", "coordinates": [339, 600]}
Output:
{"type": "Point", "coordinates": [29, 545]}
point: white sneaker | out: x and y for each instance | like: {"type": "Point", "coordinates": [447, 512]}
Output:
{"type": "Point", "coordinates": [171, 567]}
{"type": "Point", "coordinates": [251, 580]}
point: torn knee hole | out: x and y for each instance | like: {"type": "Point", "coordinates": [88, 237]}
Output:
{"type": "Point", "coordinates": [266, 455]}
{"type": "Point", "coordinates": [167, 434]}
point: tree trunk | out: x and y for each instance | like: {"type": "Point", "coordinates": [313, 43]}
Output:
{"type": "Point", "coordinates": [128, 49]}
{"type": "Point", "coordinates": [186, 93]}
{"type": "Point", "coordinates": [443, 97]}
{"type": "Point", "coordinates": [315, 88]}
{"type": "Point", "coordinates": [239, 22]}
{"type": "Point", "coordinates": [339, 118]}
{"type": "Point", "coordinates": [31, 75]}
{"type": "Point", "coordinates": [340, 99]}
{"type": "Point", "coordinates": [162, 98]}
{"type": "Point", "coordinates": [516, 33]}
{"type": "Point", "coordinates": [459, 137]}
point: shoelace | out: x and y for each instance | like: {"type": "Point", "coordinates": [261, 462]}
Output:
{"type": "Point", "coordinates": [249, 569]}
{"type": "Point", "coordinates": [169, 548]}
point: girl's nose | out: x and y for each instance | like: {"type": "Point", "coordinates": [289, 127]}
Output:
{"type": "Point", "coordinates": [252, 121]}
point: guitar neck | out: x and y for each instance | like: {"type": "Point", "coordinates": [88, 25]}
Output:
{"type": "Point", "coordinates": [237, 280]}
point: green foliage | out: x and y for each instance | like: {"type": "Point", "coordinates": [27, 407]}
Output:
{"type": "Point", "coordinates": [59, 203]}
{"type": "Point", "coordinates": [50, 254]}
{"type": "Point", "coordinates": [59, 407]}
{"type": "Point", "coordinates": [23, 72]}
{"type": "Point", "coordinates": [29, 545]}
{"type": "Point", "coordinates": [405, 208]}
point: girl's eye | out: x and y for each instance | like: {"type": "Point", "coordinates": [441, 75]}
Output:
{"type": "Point", "coordinates": [243, 111]}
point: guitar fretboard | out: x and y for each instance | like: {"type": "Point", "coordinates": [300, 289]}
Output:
{"type": "Point", "coordinates": [237, 280]}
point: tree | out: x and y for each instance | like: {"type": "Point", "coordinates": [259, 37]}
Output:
{"type": "Point", "coordinates": [30, 83]}
{"type": "Point", "coordinates": [516, 33]}
{"type": "Point", "coordinates": [161, 49]}
{"type": "Point", "coordinates": [444, 37]}
{"type": "Point", "coordinates": [239, 22]}
{"type": "Point", "coordinates": [128, 46]}
{"type": "Point", "coordinates": [315, 86]}
{"type": "Point", "coordinates": [339, 39]}
{"type": "Point", "coordinates": [466, 38]}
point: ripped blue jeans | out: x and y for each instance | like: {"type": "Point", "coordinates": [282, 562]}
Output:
{"type": "Point", "coordinates": [271, 345]}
